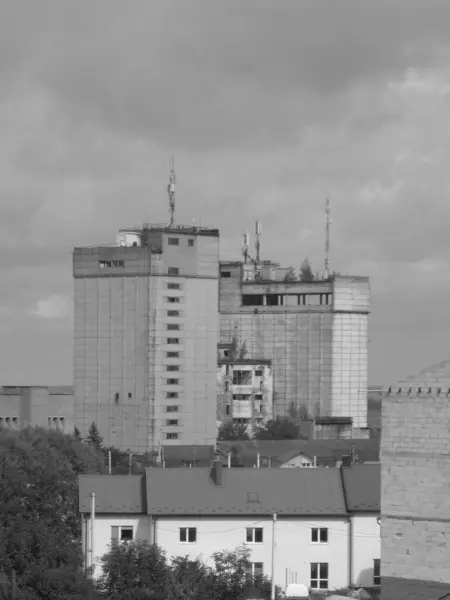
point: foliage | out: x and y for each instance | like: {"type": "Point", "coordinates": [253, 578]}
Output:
{"type": "Point", "coordinates": [243, 351]}
{"type": "Point", "coordinates": [280, 428]}
{"type": "Point", "coordinates": [39, 520]}
{"type": "Point", "coordinates": [77, 434]}
{"type": "Point", "coordinates": [298, 412]}
{"type": "Point", "coordinates": [230, 431]}
{"type": "Point", "coordinates": [93, 437]}
{"type": "Point", "coordinates": [290, 275]}
{"type": "Point", "coordinates": [306, 274]}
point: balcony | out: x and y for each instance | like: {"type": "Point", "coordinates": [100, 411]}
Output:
{"type": "Point", "coordinates": [242, 409]}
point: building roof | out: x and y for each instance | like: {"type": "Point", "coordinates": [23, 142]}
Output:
{"type": "Point", "coordinates": [281, 451]}
{"type": "Point", "coordinates": [311, 492]}
{"type": "Point", "coordinates": [113, 493]}
{"type": "Point", "coordinates": [178, 456]}
{"type": "Point", "coordinates": [434, 375]}
{"type": "Point", "coordinates": [362, 486]}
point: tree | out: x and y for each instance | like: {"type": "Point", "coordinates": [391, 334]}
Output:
{"type": "Point", "coordinates": [230, 431]}
{"type": "Point", "coordinates": [77, 434]}
{"type": "Point", "coordinates": [93, 437]}
{"type": "Point", "coordinates": [306, 274]}
{"type": "Point", "coordinates": [243, 351]}
{"type": "Point", "coordinates": [280, 428]}
{"type": "Point", "coordinates": [39, 520]}
{"type": "Point", "coordinates": [290, 275]}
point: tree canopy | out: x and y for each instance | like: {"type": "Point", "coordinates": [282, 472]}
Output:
{"type": "Point", "coordinates": [280, 428]}
{"type": "Point", "coordinates": [230, 431]}
{"type": "Point", "coordinates": [306, 274]}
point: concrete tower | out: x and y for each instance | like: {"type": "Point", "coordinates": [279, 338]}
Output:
{"type": "Point", "coordinates": [145, 339]}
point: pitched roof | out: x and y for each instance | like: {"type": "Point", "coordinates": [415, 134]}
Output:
{"type": "Point", "coordinates": [113, 493]}
{"type": "Point", "coordinates": [245, 491]}
{"type": "Point", "coordinates": [177, 456]}
{"type": "Point", "coordinates": [438, 374]}
{"type": "Point", "coordinates": [362, 487]}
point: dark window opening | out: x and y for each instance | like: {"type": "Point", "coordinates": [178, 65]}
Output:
{"type": "Point", "coordinates": [173, 313]}
{"type": "Point", "coordinates": [173, 271]}
{"type": "Point", "coordinates": [172, 381]}
{"type": "Point", "coordinates": [130, 395]}
{"type": "Point", "coordinates": [226, 353]}
{"type": "Point", "coordinates": [258, 373]}
{"type": "Point", "coordinates": [172, 395]}
{"type": "Point", "coordinates": [242, 377]}
{"type": "Point", "coordinates": [225, 274]}
{"type": "Point", "coordinates": [174, 241]}
{"type": "Point", "coordinates": [116, 397]}
{"type": "Point", "coordinates": [172, 355]}
{"type": "Point", "coordinates": [227, 409]}
{"type": "Point", "coordinates": [173, 368]}
{"type": "Point", "coordinates": [111, 263]}
{"type": "Point", "coordinates": [319, 576]}
{"type": "Point", "coordinates": [171, 436]}
{"type": "Point", "coordinates": [376, 571]}
{"type": "Point", "coordinates": [172, 408]}
{"type": "Point", "coordinates": [173, 300]}
{"type": "Point", "coordinates": [172, 423]}
{"type": "Point", "coordinates": [126, 534]}
{"type": "Point", "coordinates": [173, 326]}
{"type": "Point", "coordinates": [254, 535]}
{"type": "Point", "coordinates": [319, 535]}
{"type": "Point", "coordinates": [272, 300]}
{"type": "Point", "coordinates": [190, 242]}
{"type": "Point", "coordinates": [173, 340]}
{"type": "Point", "coordinates": [173, 286]}
{"type": "Point", "coordinates": [252, 300]}
{"type": "Point", "coordinates": [188, 535]}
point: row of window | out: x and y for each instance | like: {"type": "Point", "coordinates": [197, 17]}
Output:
{"type": "Point", "coordinates": [324, 299]}
{"type": "Point", "coordinates": [319, 572]}
{"type": "Point", "coordinates": [174, 241]}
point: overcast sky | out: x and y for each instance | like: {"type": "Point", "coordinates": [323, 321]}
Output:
{"type": "Point", "coordinates": [269, 107]}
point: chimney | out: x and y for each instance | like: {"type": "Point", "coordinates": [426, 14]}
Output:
{"type": "Point", "coordinates": [217, 474]}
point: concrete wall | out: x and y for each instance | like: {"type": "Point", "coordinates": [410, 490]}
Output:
{"type": "Point", "coordinates": [415, 501]}
{"type": "Point", "coordinates": [36, 406]}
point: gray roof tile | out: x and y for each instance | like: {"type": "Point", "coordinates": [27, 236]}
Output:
{"type": "Point", "coordinates": [362, 486]}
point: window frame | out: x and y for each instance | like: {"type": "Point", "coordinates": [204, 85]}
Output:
{"type": "Point", "coordinates": [173, 271]}
{"type": "Point", "coordinates": [173, 286]}
{"type": "Point", "coordinates": [187, 534]}
{"type": "Point", "coordinates": [172, 435]}
{"type": "Point", "coordinates": [172, 408]}
{"type": "Point", "coordinates": [120, 530]}
{"type": "Point", "coordinates": [316, 532]}
{"type": "Point", "coordinates": [173, 341]}
{"type": "Point", "coordinates": [316, 582]}
{"type": "Point", "coordinates": [191, 242]}
{"type": "Point", "coordinates": [173, 299]}
{"type": "Point", "coordinates": [254, 533]}
{"type": "Point", "coordinates": [173, 241]}
{"type": "Point", "coordinates": [172, 423]}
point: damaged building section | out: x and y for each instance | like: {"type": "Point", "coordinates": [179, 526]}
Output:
{"type": "Point", "coordinates": [244, 391]}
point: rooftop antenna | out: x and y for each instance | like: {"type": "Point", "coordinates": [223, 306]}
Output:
{"type": "Point", "coordinates": [328, 222]}
{"type": "Point", "coordinates": [258, 234]}
{"type": "Point", "coordinates": [171, 192]}
{"type": "Point", "coordinates": [245, 245]}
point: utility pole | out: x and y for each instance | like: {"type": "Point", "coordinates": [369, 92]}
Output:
{"type": "Point", "coordinates": [272, 596]}
{"type": "Point", "coordinates": [171, 192]}
{"type": "Point", "coordinates": [327, 238]}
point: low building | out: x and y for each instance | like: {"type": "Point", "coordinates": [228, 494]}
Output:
{"type": "Point", "coordinates": [415, 499]}
{"type": "Point", "coordinates": [37, 406]}
{"type": "Point", "coordinates": [317, 526]}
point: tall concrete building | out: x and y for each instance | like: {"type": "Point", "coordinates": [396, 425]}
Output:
{"type": "Point", "coordinates": [315, 335]}
{"type": "Point", "coordinates": [146, 335]}
{"type": "Point", "coordinates": [415, 494]}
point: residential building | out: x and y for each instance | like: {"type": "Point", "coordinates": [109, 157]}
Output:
{"type": "Point", "coordinates": [145, 337]}
{"type": "Point", "coordinates": [37, 406]}
{"type": "Point", "coordinates": [244, 391]}
{"type": "Point", "coordinates": [317, 526]}
{"type": "Point", "coordinates": [415, 499]}
{"type": "Point", "coordinates": [314, 333]}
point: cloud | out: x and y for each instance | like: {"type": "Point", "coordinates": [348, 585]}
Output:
{"type": "Point", "coordinates": [53, 307]}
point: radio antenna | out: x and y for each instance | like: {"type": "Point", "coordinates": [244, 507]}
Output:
{"type": "Point", "coordinates": [171, 192]}
{"type": "Point", "coordinates": [328, 222]}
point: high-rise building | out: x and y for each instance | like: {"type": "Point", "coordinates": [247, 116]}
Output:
{"type": "Point", "coordinates": [315, 334]}
{"type": "Point", "coordinates": [145, 337]}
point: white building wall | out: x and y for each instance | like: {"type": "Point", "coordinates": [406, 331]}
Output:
{"type": "Point", "coordinates": [366, 548]}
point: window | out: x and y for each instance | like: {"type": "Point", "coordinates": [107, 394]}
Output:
{"type": "Point", "coordinates": [172, 381]}
{"type": "Point", "coordinates": [242, 378]}
{"type": "Point", "coordinates": [172, 408]}
{"type": "Point", "coordinates": [255, 571]}
{"type": "Point", "coordinates": [121, 533]}
{"type": "Point", "coordinates": [130, 395]}
{"type": "Point", "coordinates": [173, 313]}
{"type": "Point", "coordinates": [172, 368]}
{"type": "Point", "coordinates": [258, 373]}
{"type": "Point", "coordinates": [252, 300]}
{"type": "Point", "coordinates": [319, 535]}
{"type": "Point", "coordinates": [172, 395]}
{"type": "Point", "coordinates": [172, 355]}
{"type": "Point", "coordinates": [171, 436]}
{"type": "Point", "coordinates": [107, 264]}
{"type": "Point", "coordinates": [225, 274]}
{"type": "Point", "coordinates": [173, 340]}
{"type": "Point", "coordinates": [174, 241]}
{"type": "Point", "coordinates": [173, 286]}
{"type": "Point", "coordinates": [174, 271]}
{"type": "Point", "coordinates": [254, 535]}
{"type": "Point", "coordinates": [188, 535]}
{"type": "Point", "coordinates": [173, 326]}
{"type": "Point", "coordinates": [376, 571]}
{"type": "Point", "coordinates": [173, 300]}
{"type": "Point", "coordinates": [241, 396]}
{"type": "Point", "coordinates": [190, 242]}
{"type": "Point", "coordinates": [172, 423]}
{"type": "Point", "coordinates": [319, 576]}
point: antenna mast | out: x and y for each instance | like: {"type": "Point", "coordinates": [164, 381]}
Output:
{"type": "Point", "coordinates": [258, 234]}
{"type": "Point", "coordinates": [171, 192]}
{"type": "Point", "coordinates": [327, 238]}
{"type": "Point", "coordinates": [245, 246]}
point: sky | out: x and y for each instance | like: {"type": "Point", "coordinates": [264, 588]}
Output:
{"type": "Point", "coordinates": [269, 108]}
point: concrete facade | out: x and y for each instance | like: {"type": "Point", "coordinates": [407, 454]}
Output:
{"type": "Point", "coordinates": [145, 339]}
{"type": "Point", "coordinates": [315, 334]}
{"type": "Point", "coordinates": [37, 406]}
{"type": "Point", "coordinates": [415, 500]}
